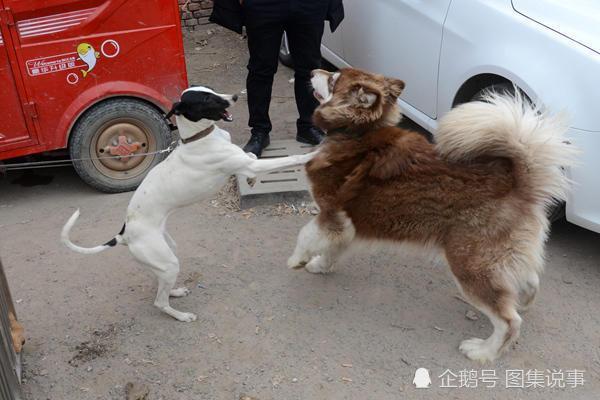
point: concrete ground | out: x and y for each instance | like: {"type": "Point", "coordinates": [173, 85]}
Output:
{"type": "Point", "coordinates": [264, 331]}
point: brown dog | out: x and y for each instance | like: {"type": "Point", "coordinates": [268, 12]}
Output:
{"type": "Point", "coordinates": [479, 195]}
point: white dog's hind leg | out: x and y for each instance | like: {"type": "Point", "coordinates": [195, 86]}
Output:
{"type": "Point", "coordinates": [170, 241]}
{"type": "Point", "coordinates": [166, 281]}
{"type": "Point", "coordinates": [179, 292]}
{"type": "Point", "coordinates": [154, 251]}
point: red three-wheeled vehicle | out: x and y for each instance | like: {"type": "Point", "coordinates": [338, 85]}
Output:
{"type": "Point", "coordinates": [94, 77]}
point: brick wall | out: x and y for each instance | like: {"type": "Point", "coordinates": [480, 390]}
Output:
{"type": "Point", "coordinates": [194, 13]}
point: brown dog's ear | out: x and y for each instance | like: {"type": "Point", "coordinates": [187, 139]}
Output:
{"type": "Point", "coordinates": [394, 87]}
{"type": "Point", "coordinates": [365, 96]}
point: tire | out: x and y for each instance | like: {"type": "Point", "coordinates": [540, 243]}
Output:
{"type": "Point", "coordinates": [500, 88]}
{"type": "Point", "coordinates": [126, 125]}
{"type": "Point", "coordinates": [285, 57]}
{"type": "Point", "coordinates": [557, 210]}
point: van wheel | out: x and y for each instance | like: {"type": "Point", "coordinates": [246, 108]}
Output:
{"type": "Point", "coordinates": [104, 143]}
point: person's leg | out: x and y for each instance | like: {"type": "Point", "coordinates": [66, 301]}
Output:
{"type": "Point", "coordinates": [264, 39]}
{"type": "Point", "coordinates": [305, 47]}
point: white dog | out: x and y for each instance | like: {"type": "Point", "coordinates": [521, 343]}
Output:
{"type": "Point", "coordinates": [194, 171]}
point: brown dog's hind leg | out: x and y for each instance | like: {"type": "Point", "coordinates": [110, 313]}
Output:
{"type": "Point", "coordinates": [527, 297]}
{"type": "Point", "coordinates": [498, 303]}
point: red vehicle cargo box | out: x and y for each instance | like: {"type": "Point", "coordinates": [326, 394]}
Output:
{"type": "Point", "coordinates": [92, 76]}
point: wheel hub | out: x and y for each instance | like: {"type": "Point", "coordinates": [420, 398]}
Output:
{"type": "Point", "coordinates": [123, 140]}
{"type": "Point", "coordinates": [124, 148]}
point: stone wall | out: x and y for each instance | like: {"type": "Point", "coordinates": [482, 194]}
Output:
{"type": "Point", "coordinates": [194, 13]}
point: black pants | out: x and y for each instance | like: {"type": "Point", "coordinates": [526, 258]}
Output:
{"type": "Point", "coordinates": [264, 39]}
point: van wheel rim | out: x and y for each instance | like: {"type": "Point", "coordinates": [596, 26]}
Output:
{"type": "Point", "coordinates": [115, 145]}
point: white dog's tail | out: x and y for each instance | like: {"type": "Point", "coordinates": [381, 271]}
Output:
{"type": "Point", "coordinates": [64, 237]}
{"type": "Point", "coordinates": [509, 126]}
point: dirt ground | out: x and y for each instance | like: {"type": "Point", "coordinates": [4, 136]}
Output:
{"type": "Point", "coordinates": [264, 331]}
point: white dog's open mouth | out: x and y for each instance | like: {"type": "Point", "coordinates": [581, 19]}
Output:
{"type": "Point", "coordinates": [227, 116]}
{"type": "Point", "coordinates": [323, 83]}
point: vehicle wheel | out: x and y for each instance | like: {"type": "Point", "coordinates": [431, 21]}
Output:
{"type": "Point", "coordinates": [119, 127]}
{"type": "Point", "coordinates": [500, 88]}
{"type": "Point", "coordinates": [557, 210]}
{"type": "Point", "coordinates": [284, 53]}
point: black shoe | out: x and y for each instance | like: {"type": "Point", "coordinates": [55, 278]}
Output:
{"type": "Point", "coordinates": [257, 143]}
{"type": "Point", "coordinates": [311, 135]}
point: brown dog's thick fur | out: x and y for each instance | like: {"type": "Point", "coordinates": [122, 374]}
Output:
{"type": "Point", "coordinates": [478, 195]}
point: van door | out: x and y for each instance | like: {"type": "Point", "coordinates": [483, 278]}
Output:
{"type": "Point", "coordinates": [13, 129]}
{"type": "Point", "coordinates": [401, 39]}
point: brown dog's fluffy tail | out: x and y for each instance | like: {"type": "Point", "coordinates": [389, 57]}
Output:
{"type": "Point", "coordinates": [509, 126]}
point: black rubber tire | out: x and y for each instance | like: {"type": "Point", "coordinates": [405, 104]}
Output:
{"type": "Point", "coordinates": [285, 57]}
{"type": "Point", "coordinates": [501, 88]}
{"type": "Point", "coordinates": [557, 210]}
{"type": "Point", "coordinates": [99, 117]}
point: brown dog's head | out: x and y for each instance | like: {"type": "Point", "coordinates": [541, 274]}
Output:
{"type": "Point", "coordinates": [355, 100]}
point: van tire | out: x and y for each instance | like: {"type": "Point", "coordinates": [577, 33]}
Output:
{"type": "Point", "coordinates": [106, 128]}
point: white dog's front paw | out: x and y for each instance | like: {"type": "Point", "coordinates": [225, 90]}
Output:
{"type": "Point", "coordinates": [179, 292]}
{"type": "Point", "coordinates": [478, 350]}
{"type": "Point", "coordinates": [186, 317]}
{"type": "Point", "coordinates": [318, 266]}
